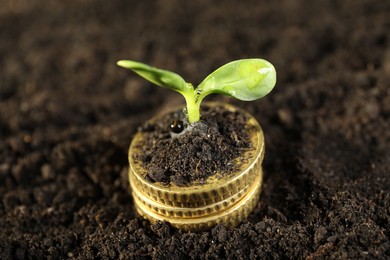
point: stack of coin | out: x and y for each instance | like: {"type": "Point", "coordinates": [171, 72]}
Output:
{"type": "Point", "coordinates": [223, 200]}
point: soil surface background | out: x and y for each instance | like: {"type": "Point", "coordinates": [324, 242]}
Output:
{"type": "Point", "coordinates": [68, 113]}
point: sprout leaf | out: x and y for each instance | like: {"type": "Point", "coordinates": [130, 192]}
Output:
{"type": "Point", "coordinates": [247, 80]}
{"type": "Point", "coordinates": [162, 78]}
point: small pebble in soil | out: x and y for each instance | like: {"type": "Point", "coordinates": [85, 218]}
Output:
{"type": "Point", "coordinates": [176, 126]}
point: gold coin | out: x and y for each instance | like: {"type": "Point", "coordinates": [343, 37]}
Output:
{"type": "Point", "coordinates": [215, 189]}
{"type": "Point", "coordinates": [191, 212]}
{"type": "Point", "coordinates": [230, 216]}
{"type": "Point", "coordinates": [227, 199]}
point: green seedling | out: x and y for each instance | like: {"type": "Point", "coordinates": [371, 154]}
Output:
{"type": "Point", "coordinates": [246, 79]}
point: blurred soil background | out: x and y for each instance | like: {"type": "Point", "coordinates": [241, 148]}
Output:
{"type": "Point", "coordinates": [68, 113]}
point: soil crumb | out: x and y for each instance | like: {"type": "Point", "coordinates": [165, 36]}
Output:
{"type": "Point", "coordinates": [201, 150]}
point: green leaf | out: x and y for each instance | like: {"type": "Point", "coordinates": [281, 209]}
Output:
{"type": "Point", "coordinates": [162, 78]}
{"type": "Point", "coordinates": [246, 79]}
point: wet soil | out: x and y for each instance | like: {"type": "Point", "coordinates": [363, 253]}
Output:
{"type": "Point", "coordinates": [67, 115]}
{"type": "Point", "coordinates": [190, 154]}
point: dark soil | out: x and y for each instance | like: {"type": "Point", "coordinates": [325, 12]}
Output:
{"type": "Point", "coordinates": [67, 115]}
{"type": "Point", "coordinates": [198, 151]}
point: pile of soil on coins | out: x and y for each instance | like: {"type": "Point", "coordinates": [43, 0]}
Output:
{"type": "Point", "coordinates": [198, 151]}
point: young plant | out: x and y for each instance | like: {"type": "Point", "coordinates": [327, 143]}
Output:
{"type": "Point", "coordinates": [246, 79]}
